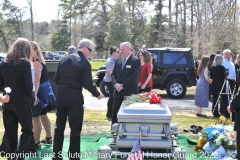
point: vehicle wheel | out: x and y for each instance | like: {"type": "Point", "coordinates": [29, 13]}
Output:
{"type": "Point", "coordinates": [104, 89]}
{"type": "Point", "coordinates": [54, 86]}
{"type": "Point", "coordinates": [176, 88]}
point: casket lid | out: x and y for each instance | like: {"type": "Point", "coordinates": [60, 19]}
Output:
{"type": "Point", "coordinates": [145, 111]}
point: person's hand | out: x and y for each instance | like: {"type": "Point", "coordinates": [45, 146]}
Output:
{"type": "Point", "coordinates": [229, 110]}
{"type": "Point", "coordinates": [118, 87]}
{"type": "Point", "coordinates": [143, 86]}
{"type": "Point", "coordinates": [100, 96]}
{"type": "Point", "coordinates": [35, 101]}
{"type": "Point", "coordinates": [210, 81]}
{"type": "Point", "coordinates": [5, 98]}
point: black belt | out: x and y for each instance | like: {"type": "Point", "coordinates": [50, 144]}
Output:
{"type": "Point", "coordinates": [231, 79]}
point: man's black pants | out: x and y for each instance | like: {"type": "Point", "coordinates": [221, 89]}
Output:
{"type": "Point", "coordinates": [117, 102]}
{"type": "Point", "coordinates": [75, 117]}
{"type": "Point", "coordinates": [110, 99]}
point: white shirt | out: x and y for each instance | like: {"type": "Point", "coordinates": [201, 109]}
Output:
{"type": "Point", "coordinates": [32, 72]}
{"type": "Point", "coordinates": [229, 65]}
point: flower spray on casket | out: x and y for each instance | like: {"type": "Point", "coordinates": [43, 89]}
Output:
{"type": "Point", "coordinates": [145, 97]}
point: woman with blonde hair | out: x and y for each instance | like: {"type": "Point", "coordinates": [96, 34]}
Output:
{"type": "Point", "coordinates": [217, 74]}
{"type": "Point", "coordinates": [237, 67]}
{"type": "Point", "coordinates": [15, 73]}
{"type": "Point", "coordinates": [202, 89]}
{"type": "Point", "coordinates": [41, 77]}
{"type": "Point", "coordinates": [146, 82]}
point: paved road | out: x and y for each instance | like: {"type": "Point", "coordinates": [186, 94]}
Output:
{"type": "Point", "coordinates": [187, 104]}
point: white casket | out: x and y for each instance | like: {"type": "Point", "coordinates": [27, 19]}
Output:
{"type": "Point", "coordinates": [150, 121]}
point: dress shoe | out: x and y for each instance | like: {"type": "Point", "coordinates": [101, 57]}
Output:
{"type": "Point", "coordinates": [201, 115]}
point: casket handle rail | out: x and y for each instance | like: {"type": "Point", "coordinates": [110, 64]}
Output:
{"type": "Point", "coordinates": [166, 129]}
{"type": "Point", "coordinates": [144, 130]}
{"type": "Point", "coordinates": [121, 130]}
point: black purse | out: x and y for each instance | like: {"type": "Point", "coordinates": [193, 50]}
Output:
{"type": "Point", "coordinates": [36, 110]}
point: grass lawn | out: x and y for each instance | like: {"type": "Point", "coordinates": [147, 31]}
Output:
{"type": "Point", "coordinates": [96, 65]}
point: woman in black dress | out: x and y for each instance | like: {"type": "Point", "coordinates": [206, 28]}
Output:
{"type": "Point", "coordinates": [217, 74]}
{"type": "Point", "coordinates": [209, 66]}
{"type": "Point", "coordinates": [237, 67]}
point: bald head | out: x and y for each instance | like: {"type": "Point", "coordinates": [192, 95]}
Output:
{"type": "Point", "coordinates": [125, 49]}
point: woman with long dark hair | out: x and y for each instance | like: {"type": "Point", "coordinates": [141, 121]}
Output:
{"type": "Point", "coordinates": [15, 73]}
{"type": "Point", "coordinates": [146, 82]}
{"type": "Point", "coordinates": [202, 89]}
{"type": "Point", "coordinates": [108, 79]}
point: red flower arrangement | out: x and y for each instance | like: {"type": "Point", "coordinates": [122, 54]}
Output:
{"type": "Point", "coordinates": [153, 97]}
{"type": "Point", "coordinates": [150, 97]}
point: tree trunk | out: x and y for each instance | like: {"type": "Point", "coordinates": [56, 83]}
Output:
{"type": "Point", "coordinates": [160, 36]}
{"type": "Point", "coordinates": [199, 26]}
{"type": "Point", "coordinates": [31, 13]}
{"type": "Point", "coordinates": [74, 31]}
{"type": "Point", "coordinates": [170, 20]}
{"type": "Point", "coordinates": [70, 29]}
{"type": "Point", "coordinates": [192, 25]}
{"type": "Point", "coordinates": [184, 22]}
{"type": "Point", "coordinates": [133, 22]}
{"type": "Point", "coordinates": [176, 25]}
{"type": "Point", "coordinates": [4, 39]}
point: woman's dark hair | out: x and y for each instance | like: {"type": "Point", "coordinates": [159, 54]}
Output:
{"type": "Point", "coordinates": [204, 62]}
{"type": "Point", "coordinates": [112, 49]}
{"type": "Point", "coordinates": [146, 56]}
{"type": "Point", "coordinates": [19, 52]}
{"type": "Point", "coordinates": [212, 57]}
{"type": "Point", "coordinates": [219, 51]}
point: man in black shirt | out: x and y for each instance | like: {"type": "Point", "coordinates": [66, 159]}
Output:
{"type": "Point", "coordinates": [73, 73]}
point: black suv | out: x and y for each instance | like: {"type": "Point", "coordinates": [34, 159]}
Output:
{"type": "Point", "coordinates": [173, 70]}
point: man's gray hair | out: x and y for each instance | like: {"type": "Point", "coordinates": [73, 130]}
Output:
{"type": "Point", "coordinates": [127, 43]}
{"type": "Point", "coordinates": [85, 43]}
{"type": "Point", "coordinates": [227, 51]}
{"type": "Point", "coordinates": [72, 49]}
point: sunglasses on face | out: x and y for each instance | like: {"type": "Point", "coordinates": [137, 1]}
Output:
{"type": "Point", "coordinates": [89, 49]}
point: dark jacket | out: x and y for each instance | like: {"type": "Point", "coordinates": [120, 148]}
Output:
{"type": "Point", "coordinates": [129, 77]}
{"type": "Point", "coordinates": [74, 72]}
{"type": "Point", "coordinates": [217, 74]}
{"type": "Point", "coordinates": [19, 79]}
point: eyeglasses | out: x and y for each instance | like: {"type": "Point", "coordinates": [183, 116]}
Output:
{"type": "Point", "coordinates": [34, 46]}
{"type": "Point", "coordinates": [89, 49]}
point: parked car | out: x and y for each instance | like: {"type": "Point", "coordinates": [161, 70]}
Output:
{"type": "Point", "coordinates": [2, 56]}
{"type": "Point", "coordinates": [51, 55]}
{"type": "Point", "coordinates": [61, 53]}
{"type": "Point", "coordinates": [173, 71]}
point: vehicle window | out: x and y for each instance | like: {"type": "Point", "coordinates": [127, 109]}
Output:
{"type": "Point", "coordinates": [174, 58]}
{"type": "Point", "coordinates": [155, 55]}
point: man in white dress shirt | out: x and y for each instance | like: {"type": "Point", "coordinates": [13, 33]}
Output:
{"type": "Point", "coordinates": [230, 68]}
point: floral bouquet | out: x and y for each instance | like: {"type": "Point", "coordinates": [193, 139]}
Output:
{"type": "Point", "coordinates": [219, 140]}
{"type": "Point", "coordinates": [145, 97]}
